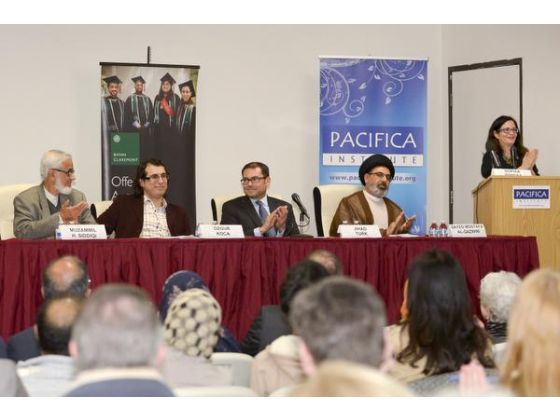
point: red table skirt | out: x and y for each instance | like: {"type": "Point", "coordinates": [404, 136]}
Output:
{"type": "Point", "coordinates": [243, 274]}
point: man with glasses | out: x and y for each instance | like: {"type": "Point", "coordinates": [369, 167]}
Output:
{"type": "Point", "coordinates": [371, 206]}
{"type": "Point", "coordinates": [259, 214]}
{"type": "Point", "coordinates": [146, 213]}
{"type": "Point", "coordinates": [39, 210]}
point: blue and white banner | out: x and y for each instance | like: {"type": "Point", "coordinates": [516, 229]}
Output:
{"type": "Point", "coordinates": [371, 106]}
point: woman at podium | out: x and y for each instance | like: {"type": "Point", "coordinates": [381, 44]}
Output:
{"type": "Point", "coordinates": [505, 149]}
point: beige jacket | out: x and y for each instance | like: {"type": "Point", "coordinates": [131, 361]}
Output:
{"type": "Point", "coordinates": [276, 366]}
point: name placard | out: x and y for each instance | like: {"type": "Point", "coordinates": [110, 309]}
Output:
{"type": "Point", "coordinates": [220, 231]}
{"type": "Point", "coordinates": [467, 230]}
{"type": "Point", "coordinates": [359, 231]}
{"type": "Point", "coordinates": [81, 232]}
{"type": "Point", "coordinates": [510, 172]}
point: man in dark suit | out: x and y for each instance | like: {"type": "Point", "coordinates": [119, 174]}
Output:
{"type": "Point", "coordinates": [259, 214]}
{"type": "Point", "coordinates": [146, 213]}
{"type": "Point", "coordinates": [66, 275]}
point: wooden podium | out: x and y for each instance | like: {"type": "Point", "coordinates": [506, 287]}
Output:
{"type": "Point", "coordinates": [493, 206]}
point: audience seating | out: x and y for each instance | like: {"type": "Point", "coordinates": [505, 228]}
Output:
{"type": "Point", "coordinates": [7, 195]}
{"type": "Point", "coordinates": [239, 363]}
{"type": "Point", "coordinates": [325, 201]}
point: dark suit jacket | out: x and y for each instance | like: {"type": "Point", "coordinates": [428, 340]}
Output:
{"type": "Point", "coordinates": [240, 211]}
{"type": "Point", "coordinates": [3, 353]}
{"type": "Point", "coordinates": [126, 217]}
{"type": "Point", "coordinates": [23, 345]}
{"type": "Point", "coordinates": [269, 324]}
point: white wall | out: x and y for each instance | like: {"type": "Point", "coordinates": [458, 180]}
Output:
{"type": "Point", "coordinates": [537, 45]}
{"type": "Point", "coordinates": [258, 95]}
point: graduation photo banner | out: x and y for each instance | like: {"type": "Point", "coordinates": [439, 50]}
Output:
{"type": "Point", "coordinates": [374, 105]}
{"type": "Point", "coordinates": [149, 111]}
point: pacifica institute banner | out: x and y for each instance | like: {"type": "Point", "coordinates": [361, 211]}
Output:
{"type": "Point", "coordinates": [149, 111]}
{"type": "Point", "coordinates": [371, 106]}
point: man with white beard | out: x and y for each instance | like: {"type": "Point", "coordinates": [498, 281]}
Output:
{"type": "Point", "coordinates": [371, 206]}
{"type": "Point", "coordinates": [39, 210]}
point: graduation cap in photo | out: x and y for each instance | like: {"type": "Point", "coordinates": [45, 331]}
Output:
{"type": "Point", "coordinates": [190, 84]}
{"type": "Point", "coordinates": [112, 79]}
{"type": "Point", "coordinates": [167, 78]}
{"type": "Point", "coordinates": [138, 79]}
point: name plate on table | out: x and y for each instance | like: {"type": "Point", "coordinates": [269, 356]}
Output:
{"type": "Point", "coordinates": [359, 231]}
{"type": "Point", "coordinates": [467, 230]}
{"type": "Point", "coordinates": [510, 172]}
{"type": "Point", "coordinates": [81, 232]}
{"type": "Point", "coordinates": [220, 231]}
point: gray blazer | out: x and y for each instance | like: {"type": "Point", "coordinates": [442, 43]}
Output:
{"type": "Point", "coordinates": [32, 217]}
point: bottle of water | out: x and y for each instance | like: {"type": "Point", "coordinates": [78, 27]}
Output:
{"type": "Point", "coordinates": [444, 232]}
{"type": "Point", "coordinates": [433, 230]}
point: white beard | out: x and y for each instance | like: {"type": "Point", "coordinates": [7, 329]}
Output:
{"type": "Point", "coordinates": [378, 192]}
{"type": "Point", "coordinates": [61, 188]}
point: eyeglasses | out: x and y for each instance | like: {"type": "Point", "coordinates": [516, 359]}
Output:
{"type": "Point", "coordinates": [509, 130]}
{"type": "Point", "coordinates": [252, 180]}
{"type": "Point", "coordinates": [156, 177]}
{"type": "Point", "coordinates": [382, 175]}
{"type": "Point", "coordinates": [69, 173]}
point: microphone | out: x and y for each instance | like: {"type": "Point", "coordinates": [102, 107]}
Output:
{"type": "Point", "coordinates": [302, 210]}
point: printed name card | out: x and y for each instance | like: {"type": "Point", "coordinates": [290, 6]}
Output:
{"type": "Point", "coordinates": [467, 230]}
{"type": "Point", "coordinates": [81, 232]}
{"type": "Point", "coordinates": [359, 231]}
{"type": "Point", "coordinates": [220, 231]}
{"type": "Point", "coordinates": [510, 172]}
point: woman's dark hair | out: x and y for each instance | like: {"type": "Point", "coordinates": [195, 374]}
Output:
{"type": "Point", "coordinates": [141, 173]}
{"type": "Point", "coordinates": [298, 277]}
{"type": "Point", "coordinates": [440, 322]}
{"type": "Point", "coordinates": [492, 142]}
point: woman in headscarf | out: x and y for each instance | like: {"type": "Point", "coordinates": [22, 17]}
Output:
{"type": "Point", "coordinates": [186, 280]}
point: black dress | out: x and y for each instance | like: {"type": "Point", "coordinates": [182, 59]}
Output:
{"type": "Point", "coordinates": [493, 159]}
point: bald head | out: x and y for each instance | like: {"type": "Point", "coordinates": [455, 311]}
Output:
{"type": "Point", "coordinates": [54, 323]}
{"type": "Point", "coordinates": [66, 275]}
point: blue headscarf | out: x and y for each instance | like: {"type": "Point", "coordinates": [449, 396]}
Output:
{"type": "Point", "coordinates": [175, 284]}
{"type": "Point", "coordinates": [183, 280]}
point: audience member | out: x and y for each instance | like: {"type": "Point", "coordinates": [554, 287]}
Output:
{"type": "Point", "coordinates": [341, 319]}
{"type": "Point", "coordinates": [146, 213]}
{"type": "Point", "coordinates": [439, 334]}
{"type": "Point", "coordinates": [116, 344]}
{"type": "Point", "coordinates": [327, 259]}
{"type": "Point", "coordinates": [10, 384]}
{"type": "Point", "coordinates": [3, 351]}
{"type": "Point", "coordinates": [192, 328]}
{"type": "Point", "coordinates": [50, 374]}
{"type": "Point", "coordinates": [272, 320]}
{"type": "Point", "coordinates": [497, 292]}
{"type": "Point", "coordinates": [530, 366]}
{"type": "Point", "coordinates": [67, 275]}
{"type": "Point", "coordinates": [371, 206]}
{"type": "Point", "coordinates": [338, 378]}
{"type": "Point", "coordinates": [181, 281]}
{"type": "Point", "coordinates": [39, 210]}
{"type": "Point", "coordinates": [278, 365]}
{"type": "Point", "coordinates": [259, 214]}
